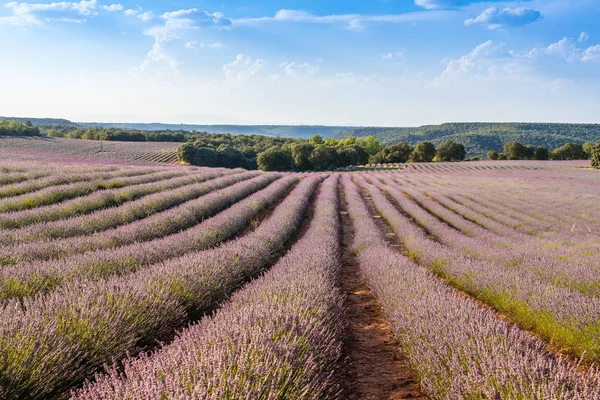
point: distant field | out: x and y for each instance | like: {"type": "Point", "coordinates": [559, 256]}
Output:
{"type": "Point", "coordinates": [134, 152]}
{"type": "Point", "coordinates": [471, 280]}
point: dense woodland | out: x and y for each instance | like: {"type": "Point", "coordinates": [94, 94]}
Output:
{"type": "Point", "coordinates": [479, 138]}
{"type": "Point", "coordinates": [319, 154]}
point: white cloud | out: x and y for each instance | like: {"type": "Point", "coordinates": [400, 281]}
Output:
{"type": "Point", "coordinates": [35, 13]}
{"type": "Point", "coordinates": [146, 16]}
{"type": "Point", "coordinates": [198, 45]}
{"type": "Point", "coordinates": [591, 54]}
{"type": "Point", "coordinates": [392, 55]}
{"type": "Point", "coordinates": [494, 18]}
{"type": "Point", "coordinates": [113, 7]}
{"type": "Point", "coordinates": [293, 68]}
{"type": "Point", "coordinates": [352, 21]}
{"type": "Point", "coordinates": [242, 68]}
{"type": "Point", "coordinates": [139, 13]}
{"type": "Point", "coordinates": [484, 62]}
{"type": "Point", "coordinates": [583, 37]}
{"type": "Point", "coordinates": [565, 48]}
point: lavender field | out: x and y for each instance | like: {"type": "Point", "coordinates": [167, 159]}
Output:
{"type": "Point", "coordinates": [135, 280]}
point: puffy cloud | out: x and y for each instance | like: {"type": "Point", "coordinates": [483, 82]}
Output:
{"type": "Point", "coordinates": [139, 13]}
{"type": "Point", "coordinates": [483, 62]}
{"type": "Point", "coordinates": [113, 7]}
{"type": "Point", "coordinates": [35, 13]}
{"type": "Point", "coordinates": [242, 68]}
{"type": "Point", "coordinates": [565, 48]}
{"type": "Point", "coordinates": [494, 18]}
{"type": "Point", "coordinates": [198, 45]}
{"type": "Point", "coordinates": [352, 21]}
{"type": "Point", "coordinates": [591, 54]}
{"type": "Point", "coordinates": [440, 4]}
{"type": "Point", "coordinates": [293, 68]}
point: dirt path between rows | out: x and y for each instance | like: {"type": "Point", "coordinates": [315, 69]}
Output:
{"type": "Point", "coordinates": [377, 370]}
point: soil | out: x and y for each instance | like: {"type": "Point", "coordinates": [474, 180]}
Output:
{"type": "Point", "coordinates": [376, 367]}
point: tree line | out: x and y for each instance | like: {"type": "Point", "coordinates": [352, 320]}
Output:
{"type": "Point", "coordinates": [12, 128]}
{"type": "Point", "coordinates": [514, 150]}
{"type": "Point", "coordinates": [314, 154]}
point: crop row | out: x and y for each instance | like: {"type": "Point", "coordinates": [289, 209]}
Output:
{"type": "Point", "coordinates": [509, 250]}
{"type": "Point", "coordinates": [458, 348]}
{"type": "Point", "coordinates": [278, 337]}
{"type": "Point", "coordinates": [31, 278]}
{"type": "Point", "coordinates": [55, 185]}
{"type": "Point", "coordinates": [52, 342]}
{"type": "Point", "coordinates": [112, 218]}
{"type": "Point", "coordinates": [145, 185]}
{"type": "Point", "coordinates": [568, 319]}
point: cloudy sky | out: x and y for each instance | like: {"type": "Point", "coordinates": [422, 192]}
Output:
{"type": "Point", "coordinates": [357, 62]}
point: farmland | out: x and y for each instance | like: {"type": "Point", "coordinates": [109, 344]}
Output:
{"type": "Point", "coordinates": [125, 278]}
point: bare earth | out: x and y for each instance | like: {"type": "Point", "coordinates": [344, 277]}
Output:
{"type": "Point", "coordinates": [377, 370]}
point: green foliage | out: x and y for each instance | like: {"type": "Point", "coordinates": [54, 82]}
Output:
{"type": "Point", "coordinates": [542, 153]}
{"type": "Point", "coordinates": [569, 151]}
{"type": "Point", "coordinates": [396, 153]}
{"type": "Point", "coordinates": [596, 155]}
{"type": "Point", "coordinates": [450, 151]}
{"type": "Point", "coordinates": [492, 155]}
{"type": "Point", "coordinates": [502, 157]}
{"type": "Point", "coordinates": [371, 145]}
{"type": "Point", "coordinates": [478, 138]}
{"type": "Point", "coordinates": [323, 158]}
{"type": "Point", "coordinates": [516, 151]}
{"type": "Point", "coordinates": [423, 152]}
{"type": "Point", "coordinates": [316, 139]}
{"type": "Point", "coordinates": [275, 159]}
{"type": "Point", "coordinates": [587, 148]}
{"type": "Point", "coordinates": [301, 153]}
{"type": "Point", "coordinates": [13, 128]}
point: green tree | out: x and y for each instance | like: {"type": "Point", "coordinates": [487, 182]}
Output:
{"type": "Point", "coordinates": [587, 149]}
{"type": "Point", "coordinates": [324, 158]}
{"type": "Point", "coordinates": [541, 153]}
{"type": "Point", "coordinates": [516, 151]}
{"type": "Point", "coordinates": [371, 145]}
{"type": "Point", "coordinates": [274, 159]}
{"type": "Point", "coordinates": [316, 139]}
{"type": "Point", "coordinates": [331, 142]}
{"type": "Point", "coordinates": [301, 156]}
{"type": "Point", "coordinates": [570, 151]}
{"type": "Point", "coordinates": [502, 157]}
{"type": "Point", "coordinates": [450, 151]}
{"type": "Point", "coordinates": [492, 155]}
{"type": "Point", "coordinates": [423, 152]}
{"type": "Point", "coordinates": [351, 155]}
{"type": "Point", "coordinates": [596, 155]}
{"type": "Point", "coordinates": [396, 153]}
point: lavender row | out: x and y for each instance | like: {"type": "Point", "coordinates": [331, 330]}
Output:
{"type": "Point", "coordinates": [112, 218]}
{"type": "Point", "coordinates": [66, 182]}
{"type": "Point", "coordinates": [459, 349]}
{"type": "Point", "coordinates": [145, 185]}
{"type": "Point", "coordinates": [539, 256]}
{"type": "Point", "coordinates": [54, 341]}
{"type": "Point", "coordinates": [44, 276]}
{"type": "Point", "coordinates": [55, 194]}
{"type": "Point", "coordinates": [11, 177]}
{"type": "Point", "coordinates": [278, 337]}
{"type": "Point", "coordinates": [565, 318]}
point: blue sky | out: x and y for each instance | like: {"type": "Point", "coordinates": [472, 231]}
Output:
{"type": "Point", "coordinates": [367, 62]}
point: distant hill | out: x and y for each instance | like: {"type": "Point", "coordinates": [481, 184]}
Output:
{"type": "Point", "coordinates": [289, 131]}
{"type": "Point", "coordinates": [41, 121]}
{"type": "Point", "coordinates": [478, 138]}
